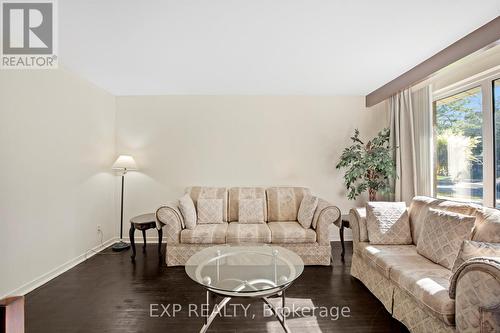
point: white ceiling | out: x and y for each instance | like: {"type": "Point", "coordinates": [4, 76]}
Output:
{"type": "Point", "coordinates": [318, 47]}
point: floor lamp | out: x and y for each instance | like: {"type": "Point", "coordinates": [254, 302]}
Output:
{"type": "Point", "coordinates": [123, 164]}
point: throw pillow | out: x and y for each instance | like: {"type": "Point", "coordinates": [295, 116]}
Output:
{"type": "Point", "coordinates": [251, 210]}
{"type": "Point", "coordinates": [307, 208]}
{"type": "Point", "coordinates": [472, 249]}
{"type": "Point", "coordinates": [388, 223]}
{"type": "Point", "coordinates": [210, 211]}
{"type": "Point", "coordinates": [188, 211]}
{"type": "Point", "coordinates": [442, 235]}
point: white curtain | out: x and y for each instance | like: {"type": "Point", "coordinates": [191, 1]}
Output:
{"type": "Point", "coordinates": [411, 139]}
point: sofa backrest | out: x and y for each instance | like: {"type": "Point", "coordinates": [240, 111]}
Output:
{"type": "Point", "coordinates": [238, 193]}
{"type": "Point", "coordinates": [487, 227]}
{"type": "Point", "coordinates": [201, 192]}
{"type": "Point", "coordinates": [283, 202]}
{"type": "Point", "coordinates": [421, 204]}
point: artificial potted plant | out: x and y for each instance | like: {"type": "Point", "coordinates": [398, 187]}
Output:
{"type": "Point", "coordinates": [369, 166]}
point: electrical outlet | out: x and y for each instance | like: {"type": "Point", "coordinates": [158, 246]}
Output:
{"type": "Point", "coordinates": [99, 228]}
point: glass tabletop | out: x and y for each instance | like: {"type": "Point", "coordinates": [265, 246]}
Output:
{"type": "Point", "coordinates": [244, 268]}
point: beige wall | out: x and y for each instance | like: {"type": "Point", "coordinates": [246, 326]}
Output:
{"type": "Point", "coordinates": [237, 140]}
{"type": "Point", "coordinates": [56, 148]}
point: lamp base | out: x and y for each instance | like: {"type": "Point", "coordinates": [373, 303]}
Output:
{"type": "Point", "coordinates": [120, 246]}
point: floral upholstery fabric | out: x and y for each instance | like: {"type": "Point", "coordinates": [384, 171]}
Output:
{"type": "Point", "coordinates": [238, 233]}
{"type": "Point", "coordinates": [476, 289]}
{"type": "Point", "coordinates": [384, 257]}
{"type": "Point", "coordinates": [420, 205]}
{"type": "Point", "coordinates": [311, 253]}
{"type": "Point", "coordinates": [283, 202]}
{"type": "Point", "coordinates": [251, 211]}
{"type": "Point", "coordinates": [210, 211]}
{"type": "Point", "coordinates": [429, 284]}
{"type": "Point", "coordinates": [442, 235]}
{"type": "Point", "coordinates": [188, 211]}
{"type": "Point", "coordinates": [377, 283]}
{"type": "Point", "coordinates": [290, 232]}
{"type": "Point", "coordinates": [205, 234]}
{"type": "Point", "coordinates": [327, 216]}
{"type": "Point", "coordinates": [169, 217]}
{"type": "Point", "coordinates": [487, 228]}
{"type": "Point", "coordinates": [238, 193]}
{"type": "Point", "coordinates": [357, 221]}
{"type": "Point", "coordinates": [471, 249]}
{"type": "Point", "coordinates": [306, 210]}
{"type": "Point", "coordinates": [415, 316]}
{"type": "Point", "coordinates": [388, 223]}
{"type": "Point", "coordinates": [199, 192]}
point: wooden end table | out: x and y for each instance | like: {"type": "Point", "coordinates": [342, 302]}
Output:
{"type": "Point", "coordinates": [144, 222]}
{"type": "Point", "coordinates": [342, 223]}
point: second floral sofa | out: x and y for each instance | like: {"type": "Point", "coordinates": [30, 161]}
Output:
{"type": "Point", "coordinates": [286, 216]}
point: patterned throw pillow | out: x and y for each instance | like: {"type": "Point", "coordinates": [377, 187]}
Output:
{"type": "Point", "coordinates": [307, 208]}
{"type": "Point", "coordinates": [188, 211]}
{"type": "Point", "coordinates": [251, 210]}
{"type": "Point", "coordinates": [388, 223]}
{"type": "Point", "coordinates": [210, 211]}
{"type": "Point", "coordinates": [442, 235]}
{"type": "Point", "coordinates": [472, 249]}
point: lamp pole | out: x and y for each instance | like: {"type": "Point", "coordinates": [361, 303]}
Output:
{"type": "Point", "coordinates": [121, 245]}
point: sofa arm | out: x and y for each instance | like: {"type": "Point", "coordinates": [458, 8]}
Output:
{"type": "Point", "coordinates": [357, 222]}
{"type": "Point", "coordinates": [326, 214]}
{"type": "Point", "coordinates": [170, 217]}
{"type": "Point", "coordinates": [475, 286]}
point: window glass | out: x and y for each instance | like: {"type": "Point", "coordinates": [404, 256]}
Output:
{"type": "Point", "coordinates": [458, 168]}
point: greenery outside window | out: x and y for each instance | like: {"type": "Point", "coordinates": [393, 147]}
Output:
{"type": "Point", "coordinates": [458, 130]}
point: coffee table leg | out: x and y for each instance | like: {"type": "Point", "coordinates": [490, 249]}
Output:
{"type": "Point", "coordinates": [132, 240]}
{"type": "Point", "coordinates": [214, 313]}
{"type": "Point", "coordinates": [342, 240]}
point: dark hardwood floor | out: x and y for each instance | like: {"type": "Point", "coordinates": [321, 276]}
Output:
{"type": "Point", "coordinates": [108, 293]}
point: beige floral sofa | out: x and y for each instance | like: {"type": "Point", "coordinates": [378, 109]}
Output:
{"type": "Point", "coordinates": [425, 296]}
{"type": "Point", "coordinates": [281, 206]}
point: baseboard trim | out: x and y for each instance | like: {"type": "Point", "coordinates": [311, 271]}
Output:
{"type": "Point", "coordinates": [43, 279]}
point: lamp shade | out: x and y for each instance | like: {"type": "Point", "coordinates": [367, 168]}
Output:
{"type": "Point", "coordinates": [124, 162]}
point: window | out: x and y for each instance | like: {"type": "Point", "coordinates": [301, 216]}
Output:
{"type": "Point", "coordinates": [458, 143]}
{"type": "Point", "coordinates": [496, 110]}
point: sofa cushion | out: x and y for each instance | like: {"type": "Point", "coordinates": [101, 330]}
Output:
{"type": "Point", "coordinates": [238, 233]}
{"type": "Point", "coordinates": [238, 193]}
{"type": "Point", "coordinates": [198, 192]}
{"type": "Point", "coordinates": [205, 234]}
{"type": "Point", "coordinates": [290, 232]}
{"type": "Point", "coordinates": [388, 223]}
{"type": "Point", "coordinates": [487, 227]}
{"type": "Point", "coordinates": [384, 257]}
{"type": "Point", "coordinates": [429, 284]}
{"type": "Point", "coordinates": [188, 211]}
{"type": "Point", "coordinates": [442, 235]}
{"type": "Point", "coordinates": [210, 211]}
{"type": "Point", "coordinates": [283, 202]}
{"type": "Point", "coordinates": [251, 211]}
{"type": "Point", "coordinates": [471, 249]}
{"type": "Point", "coordinates": [421, 204]}
{"type": "Point", "coordinates": [307, 208]}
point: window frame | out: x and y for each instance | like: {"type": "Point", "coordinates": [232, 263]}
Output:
{"type": "Point", "coordinates": [485, 81]}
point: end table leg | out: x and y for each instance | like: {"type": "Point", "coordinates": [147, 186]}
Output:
{"type": "Point", "coordinates": [132, 240]}
{"type": "Point", "coordinates": [160, 236]}
{"type": "Point", "coordinates": [144, 239]}
{"type": "Point", "coordinates": [342, 240]}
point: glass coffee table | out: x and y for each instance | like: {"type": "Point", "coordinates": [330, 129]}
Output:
{"type": "Point", "coordinates": [251, 271]}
